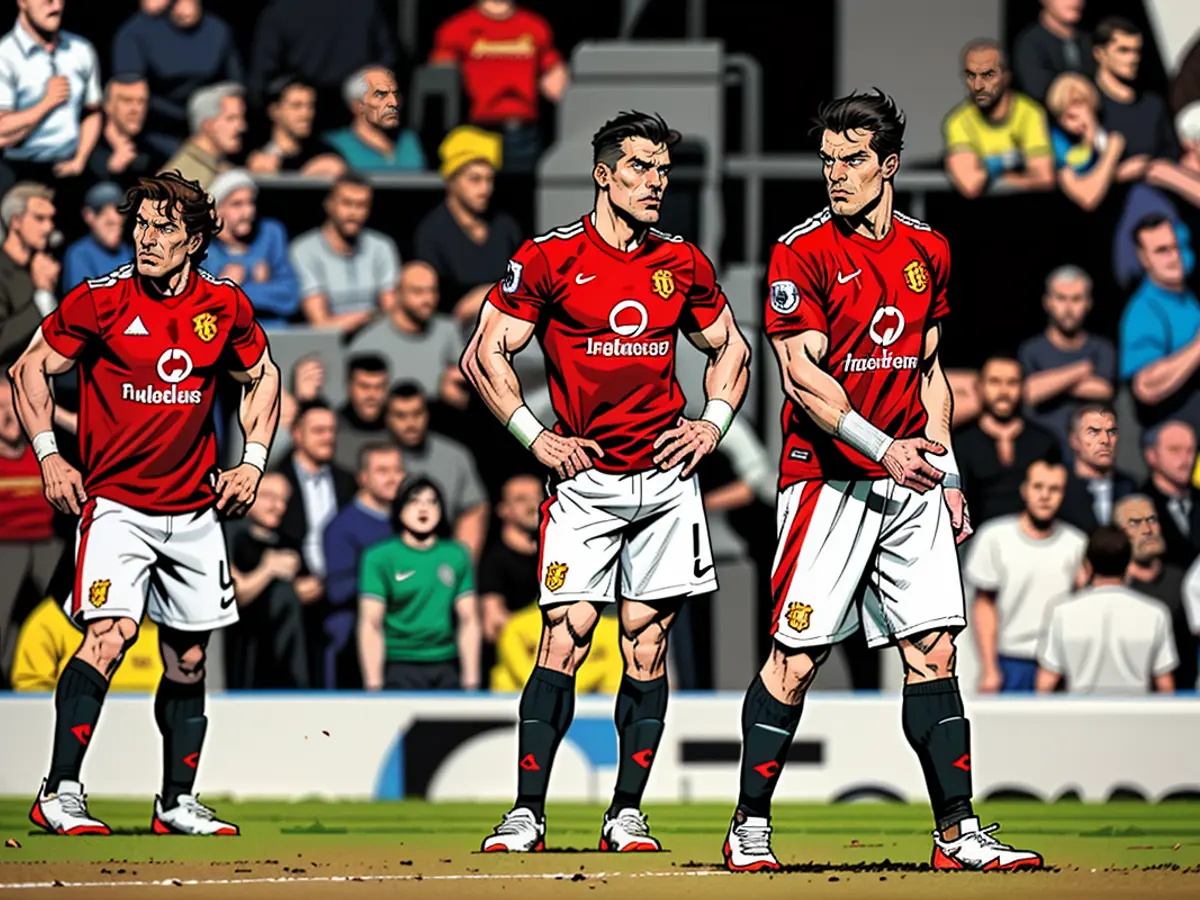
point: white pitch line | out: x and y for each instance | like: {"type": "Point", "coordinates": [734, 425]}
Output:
{"type": "Point", "coordinates": [328, 879]}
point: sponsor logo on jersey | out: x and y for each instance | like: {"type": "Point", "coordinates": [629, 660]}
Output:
{"type": "Point", "coordinates": [174, 365]}
{"type": "Point", "coordinates": [628, 319]}
{"type": "Point", "coordinates": [785, 297]}
{"type": "Point", "coordinates": [556, 575]}
{"type": "Point", "coordinates": [798, 615]}
{"type": "Point", "coordinates": [886, 326]}
{"type": "Point", "coordinates": [888, 360]}
{"type": "Point", "coordinates": [205, 326]}
{"type": "Point", "coordinates": [916, 276]}
{"type": "Point", "coordinates": [152, 396]}
{"type": "Point", "coordinates": [663, 282]}
{"type": "Point", "coordinates": [512, 277]}
{"type": "Point", "coordinates": [98, 592]}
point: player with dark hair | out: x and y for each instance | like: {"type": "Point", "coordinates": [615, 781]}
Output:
{"type": "Point", "coordinates": [150, 340]}
{"type": "Point", "coordinates": [867, 523]}
{"type": "Point", "coordinates": [607, 296]}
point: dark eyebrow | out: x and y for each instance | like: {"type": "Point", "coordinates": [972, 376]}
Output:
{"type": "Point", "coordinates": [649, 164]}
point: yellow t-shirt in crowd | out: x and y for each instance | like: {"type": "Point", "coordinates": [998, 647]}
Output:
{"type": "Point", "coordinates": [1003, 146]}
{"type": "Point", "coordinates": [516, 654]}
{"type": "Point", "coordinates": [48, 640]}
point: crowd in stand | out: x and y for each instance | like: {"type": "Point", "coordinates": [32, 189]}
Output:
{"type": "Point", "coordinates": [330, 597]}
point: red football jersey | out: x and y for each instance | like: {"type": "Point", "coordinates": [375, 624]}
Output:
{"type": "Point", "coordinates": [607, 321]}
{"type": "Point", "coordinates": [25, 513]}
{"type": "Point", "coordinates": [147, 373]}
{"type": "Point", "coordinates": [501, 61]}
{"type": "Point", "coordinates": [874, 300]}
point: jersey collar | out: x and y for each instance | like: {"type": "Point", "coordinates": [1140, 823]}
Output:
{"type": "Point", "coordinates": [168, 302]}
{"type": "Point", "coordinates": [589, 228]}
{"type": "Point", "coordinates": [843, 225]}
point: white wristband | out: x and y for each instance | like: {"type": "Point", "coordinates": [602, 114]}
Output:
{"type": "Point", "coordinates": [255, 454]}
{"type": "Point", "coordinates": [719, 413]}
{"type": "Point", "coordinates": [44, 444]}
{"type": "Point", "coordinates": [864, 437]}
{"type": "Point", "coordinates": [948, 464]}
{"type": "Point", "coordinates": [524, 426]}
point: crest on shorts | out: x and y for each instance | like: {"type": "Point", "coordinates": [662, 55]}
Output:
{"type": "Point", "coordinates": [205, 326]}
{"type": "Point", "coordinates": [663, 282]}
{"type": "Point", "coordinates": [798, 616]}
{"type": "Point", "coordinates": [98, 593]}
{"type": "Point", "coordinates": [556, 574]}
{"type": "Point", "coordinates": [916, 276]}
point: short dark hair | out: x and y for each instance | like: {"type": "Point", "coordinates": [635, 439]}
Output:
{"type": "Point", "coordinates": [872, 111]}
{"type": "Point", "coordinates": [1052, 457]}
{"type": "Point", "coordinates": [307, 406]}
{"type": "Point", "coordinates": [1096, 407]}
{"type": "Point", "coordinates": [198, 212]}
{"type": "Point", "coordinates": [351, 177]}
{"type": "Point", "coordinates": [1107, 28]}
{"type": "Point", "coordinates": [366, 362]}
{"type": "Point", "coordinates": [1005, 357]}
{"type": "Point", "coordinates": [405, 390]}
{"type": "Point", "coordinates": [1109, 551]}
{"type": "Point", "coordinates": [374, 447]}
{"type": "Point", "coordinates": [1145, 223]}
{"type": "Point", "coordinates": [127, 78]}
{"type": "Point", "coordinates": [407, 489]}
{"type": "Point", "coordinates": [279, 85]}
{"type": "Point", "coordinates": [606, 143]}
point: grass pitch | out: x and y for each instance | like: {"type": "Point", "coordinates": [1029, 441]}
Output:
{"type": "Point", "coordinates": [315, 849]}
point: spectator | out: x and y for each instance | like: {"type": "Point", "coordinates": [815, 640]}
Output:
{"type": "Point", "coordinates": [508, 569]}
{"type": "Point", "coordinates": [997, 134]}
{"type": "Point", "coordinates": [1185, 88]}
{"type": "Point", "coordinates": [507, 57]}
{"type": "Point", "coordinates": [121, 154]}
{"type": "Point", "coordinates": [1191, 607]}
{"type": "Point", "coordinates": [360, 418]}
{"type": "Point", "coordinates": [291, 107]}
{"type": "Point", "coordinates": [374, 140]}
{"type": "Point", "coordinates": [1093, 484]}
{"type": "Point", "coordinates": [467, 245]}
{"type": "Point", "coordinates": [217, 116]}
{"type": "Point", "coordinates": [1019, 565]}
{"type": "Point", "coordinates": [410, 588]}
{"type": "Point", "coordinates": [1066, 366]}
{"type": "Point", "coordinates": [1144, 202]}
{"type": "Point", "coordinates": [177, 54]}
{"type": "Point", "coordinates": [447, 462]}
{"type": "Point", "coordinates": [1086, 157]}
{"type": "Point", "coordinates": [1154, 577]}
{"type": "Point", "coordinates": [1160, 331]}
{"type": "Point", "coordinates": [266, 648]}
{"type": "Point", "coordinates": [49, 95]}
{"type": "Point", "coordinates": [517, 651]}
{"type": "Point", "coordinates": [365, 522]}
{"type": "Point", "coordinates": [307, 383]}
{"type": "Point", "coordinates": [996, 450]}
{"type": "Point", "coordinates": [1107, 639]}
{"type": "Point", "coordinates": [1051, 46]}
{"type": "Point", "coordinates": [252, 252]}
{"type": "Point", "coordinates": [346, 270]}
{"type": "Point", "coordinates": [1187, 127]}
{"type": "Point", "coordinates": [424, 343]}
{"type": "Point", "coordinates": [1142, 118]}
{"type": "Point", "coordinates": [1170, 450]}
{"type": "Point", "coordinates": [104, 248]}
{"type": "Point", "coordinates": [28, 274]}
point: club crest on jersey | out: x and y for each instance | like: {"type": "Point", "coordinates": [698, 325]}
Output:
{"type": "Point", "coordinates": [916, 276]}
{"type": "Point", "coordinates": [98, 592]}
{"type": "Point", "coordinates": [663, 282]}
{"type": "Point", "coordinates": [512, 277]}
{"type": "Point", "coordinates": [205, 326]}
{"type": "Point", "coordinates": [785, 297]}
{"type": "Point", "coordinates": [556, 574]}
{"type": "Point", "coordinates": [798, 616]}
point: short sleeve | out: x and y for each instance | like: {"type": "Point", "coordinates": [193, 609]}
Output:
{"type": "Point", "coordinates": [246, 338]}
{"type": "Point", "coordinates": [705, 299]}
{"type": "Point", "coordinates": [954, 129]}
{"type": "Point", "coordinates": [372, 579]}
{"type": "Point", "coordinates": [491, 572]}
{"type": "Point", "coordinates": [796, 296]}
{"type": "Point", "coordinates": [1166, 657]}
{"type": "Point", "coordinates": [1104, 358]}
{"type": "Point", "coordinates": [526, 286]}
{"type": "Point", "coordinates": [446, 46]}
{"type": "Point", "coordinates": [1034, 136]}
{"type": "Point", "coordinates": [471, 490]}
{"type": "Point", "coordinates": [466, 577]}
{"type": "Point", "coordinates": [8, 87]}
{"type": "Point", "coordinates": [69, 328]}
{"type": "Point", "coordinates": [981, 569]}
{"type": "Point", "coordinates": [939, 259]}
{"type": "Point", "coordinates": [92, 92]}
{"type": "Point", "coordinates": [387, 264]}
{"type": "Point", "coordinates": [548, 55]}
{"type": "Point", "coordinates": [308, 269]}
{"type": "Point", "coordinates": [1144, 339]}
{"type": "Point", "coordinates": [1050, 653]}
{"type": "Point", "coordinates": [1027, 356]}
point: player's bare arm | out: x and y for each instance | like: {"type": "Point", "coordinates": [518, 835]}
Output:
{"type": "Point", "coordinates": [259, 416]}
{"type": "Point", "coordinates": [801, 361]}
{"type": "Point", "coordinates": [30, 377]}
{"type": "Point", "coordinates": [487, 365]}
{"type": "Point", "coordinates": [725, 381]}
{"type": "Point", "coordinates": [938, 400]}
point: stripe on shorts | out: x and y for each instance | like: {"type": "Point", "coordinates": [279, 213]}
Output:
{"type": "Point", "coordinates": [85, 527]}
{"type": "Point", "coordinates": [543, 521]}
{"type": "Point", "coordinates": [781, 578]}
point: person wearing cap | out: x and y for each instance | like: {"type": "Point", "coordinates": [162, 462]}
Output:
{"type": "Point", "coordinates": [468, 245]}
{"type": "Point", "coordinates": [251, 251]}
{"type": "Point", "coordinates": [103, 249]}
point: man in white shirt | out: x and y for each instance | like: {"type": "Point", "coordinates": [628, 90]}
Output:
{"type": "Point", "coordinates": [1108, 638]}
{"type": "Point", "coordinates": [1020, 564]}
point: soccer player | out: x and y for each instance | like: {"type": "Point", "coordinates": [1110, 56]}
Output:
{"type": "Point", "coordinates": [867, 522]}
{"type": "Point", "coordinates": [607, 296]}
{"type": "Point", "coordinates": [150, 340]}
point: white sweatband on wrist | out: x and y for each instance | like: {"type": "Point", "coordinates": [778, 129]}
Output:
{"type": "Point", "coordinates": [255, 454]}
{"type": "Point", "coordinates": [45, 301]}
{"type": "Point", "coordinates": [864, 437]}
{"type": "Point", "coordinates": [524, 426]}
{"type": "Point", "coordinates": [44, 444]}
{"type": "Point", "coordinates": [719, 413]}
{"type": "Point", "coordinates": [948, 464]}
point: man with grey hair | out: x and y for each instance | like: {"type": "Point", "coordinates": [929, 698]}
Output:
{"type": "Point", "coordinates": [1187, 127]}
{"type": "Point", "coordinates": [28, 275]}
{"type": "Point", "coordinates": [217, 118]}
{"type": "Point", "coordinates": [374, 140]}
{"type": "Point", "coordinates": [1066, 366]}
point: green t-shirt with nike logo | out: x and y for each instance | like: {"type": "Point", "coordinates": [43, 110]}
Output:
{"type": "Point", "coordinates": [419, 589]}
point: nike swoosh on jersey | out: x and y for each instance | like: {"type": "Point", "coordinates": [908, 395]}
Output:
{"type": "Point", "coordinates": [843, 279]}
{"type": "Point", "coordinates": [582, 279]}
{"type": "Point", "coordinates": [404, 576]}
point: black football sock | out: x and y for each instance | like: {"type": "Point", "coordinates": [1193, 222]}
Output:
{"type": "Point", "coordinates": [641, 708]}
{"type": "Point", "coordinates": [940, 734]}
{"type": "Point", "coordinates": [768, 727]}
{"type": "Point", "coordinates": [77, 702]}
{"type": "Point", "coordinates": [547, 707]}
{"type": "Point", "coordinates": [179, 712]}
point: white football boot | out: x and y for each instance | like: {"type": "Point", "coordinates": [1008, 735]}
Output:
{"type": "Point", "coordinates": [519, 831]}
{"type": "Point", "coordinates": [976, 849]}
{"type": "Point", "coordinates": [189, 816]}
{"type": "Point", "coordinates": [748, 846]}
{"type": "Point", "coordinates": [626, 832]}
{"type": "Point", "coordinates": [65, 812]}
